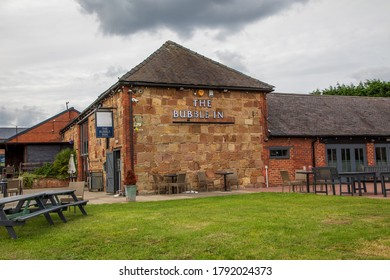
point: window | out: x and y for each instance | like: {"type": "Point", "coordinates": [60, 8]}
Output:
{"type": "Point", "coordinates": [279, 152]}
{"type": "Point", "coordinates": [346, 157]}
{"type": "Point", "coordinates": [84, 138]}
{"type": "Point", "coordinates": [382, 153]}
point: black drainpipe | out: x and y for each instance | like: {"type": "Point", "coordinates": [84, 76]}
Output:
{"type": "Point", "coordinates": [313, 152]}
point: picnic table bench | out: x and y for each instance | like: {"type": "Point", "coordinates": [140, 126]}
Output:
{"type": "Point", "coordinates": [32, 205]}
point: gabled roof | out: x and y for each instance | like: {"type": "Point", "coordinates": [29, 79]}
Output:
{"type": "Point", "coordinates": [303, 115]}
{"type": "Point", "coordinates": [174, 65]}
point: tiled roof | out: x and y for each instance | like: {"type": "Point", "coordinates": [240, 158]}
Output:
{"type": "Point", "coordinates": [172, 64]}
{"type": "Point", "coordinates": [327, 115]}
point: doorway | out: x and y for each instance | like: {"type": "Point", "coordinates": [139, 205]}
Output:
{"type": "Point", "coordinates": [113, 171]}
{"type": "Point", "coordinates": [346, 158]}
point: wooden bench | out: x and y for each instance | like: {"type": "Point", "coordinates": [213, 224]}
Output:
{"type": "Point", "coordinates": [24, 217]}
{"type": "Point", "coordinates": [79, 203]}
{"type": "Point", "coordinates": [30, 166]}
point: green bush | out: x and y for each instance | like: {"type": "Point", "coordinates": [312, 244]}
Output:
{"type": "Point", "coordinates": [59, 168]}
{"type": "Point", "coordinates": [28, 179]}
{"type": "Point", "coordinates": [60, 164]}
{"type": "Point", "coordinates": [46, 170]}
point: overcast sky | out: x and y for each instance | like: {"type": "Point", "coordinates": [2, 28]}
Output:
{"type": "Point", "coordinates": [58, 51]}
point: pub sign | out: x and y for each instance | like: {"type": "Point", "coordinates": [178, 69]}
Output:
{"type": "Point", "coordinates": [104, 124]}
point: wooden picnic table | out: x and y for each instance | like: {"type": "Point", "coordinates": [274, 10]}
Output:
{"type": "Point", "coordinates": [24, 207]}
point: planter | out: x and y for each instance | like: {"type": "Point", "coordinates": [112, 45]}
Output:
{"type": "Point", "coordinates": [49, 183]}
{"type": "Point", "coordinates": [131, 192]}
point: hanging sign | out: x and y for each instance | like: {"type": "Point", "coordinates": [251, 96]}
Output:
{"type": "Point", "coordinates": [104, 124]}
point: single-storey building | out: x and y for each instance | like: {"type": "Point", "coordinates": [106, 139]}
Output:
{"type": "Point", "coordinates": [39, 143]}
{"type": "Point", "coordinates": [325, 130]}
{"type": "Point", "coordinates": [177, 111]}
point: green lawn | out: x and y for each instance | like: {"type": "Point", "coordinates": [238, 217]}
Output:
{"type": "Point", "coordinates": [245, 227]}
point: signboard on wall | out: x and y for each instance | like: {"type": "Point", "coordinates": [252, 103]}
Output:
{"type": "Point", "coordinates": [104, 124]}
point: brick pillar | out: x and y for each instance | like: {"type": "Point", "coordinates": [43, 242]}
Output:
{"type": "Point", "coordinates": [320, 153]}
{"type": "Point", "coordinates": [370, 154]}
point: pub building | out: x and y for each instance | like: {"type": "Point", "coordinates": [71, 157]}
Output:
{"type": "Point", "coordinates": [177, 111]}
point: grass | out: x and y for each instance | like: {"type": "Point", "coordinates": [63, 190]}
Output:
{"type": "Point", "coordinates": [241, 227]}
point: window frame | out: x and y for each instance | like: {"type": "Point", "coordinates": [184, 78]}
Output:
{"type": "Point", "coordinates": [281, 148]}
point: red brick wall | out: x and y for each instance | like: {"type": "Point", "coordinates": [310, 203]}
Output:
{"type": "Point", "coordinates": [300, 155]}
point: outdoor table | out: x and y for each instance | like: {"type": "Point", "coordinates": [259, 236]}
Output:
{"type": "Point", "coordinates": [224, 173]}
{"type": "Point", "coordinates": [23, 207]}
{"type": "Point", "coordinates": [4, 189]}
{"type": "Point", "coordinates": [359, 177]}
{"type": "Point", "coordinates": [307, 173]}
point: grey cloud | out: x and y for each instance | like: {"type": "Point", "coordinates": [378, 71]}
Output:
{"type": "Point", "coordinates": [232, 59]}
{"type": "Point", "coordinates": [127, 17]}
{"type": "Point", "coordinates": [115, 71]}
{"type": "Point", "coordinates": [26, 116]}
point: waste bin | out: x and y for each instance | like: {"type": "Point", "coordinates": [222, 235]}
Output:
{"type": "Point", "coordinates": [131, 192]}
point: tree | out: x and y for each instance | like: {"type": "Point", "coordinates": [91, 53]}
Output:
{"type": "Point", "coordinates": [373, 88]}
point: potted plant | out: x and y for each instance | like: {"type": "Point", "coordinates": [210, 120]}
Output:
{"type": "Point", "coordinates": [130, 186]}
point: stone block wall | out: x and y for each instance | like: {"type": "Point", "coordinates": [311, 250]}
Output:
{"type": "Point", "coordinates": [192, 144]}
{"type": "Point", "coordinates": [175, 133]}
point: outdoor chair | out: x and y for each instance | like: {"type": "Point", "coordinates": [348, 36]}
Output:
{"type": "Point", "coordinates": [9, 172]}
{"type": "Point", "coordinates": [337, 178]}
{"type": "Point", "coordinates": [290, 183]}
{"type": "Point", "coordinates": [179, 184]}
{"type": "Point", "coordinates": [301, 178]}
{"type": "Point", "coordinates": [324, 177]}
{"type": "Point", "coordinates": [159, 183]}
{"type": "Point", "coordinates": [14, 187]}
{"type": "Point", "coordinates": [79, 192]}
{"type": "Point", "coordinates": [232, 180]}
{"type": "Point", "coordinates": [203, 182]}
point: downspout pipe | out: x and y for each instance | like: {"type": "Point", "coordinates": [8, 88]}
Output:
{"type": "Point", "coordinates": [313, 152]}
{"type": "Point", "coordinates": [131, 130]}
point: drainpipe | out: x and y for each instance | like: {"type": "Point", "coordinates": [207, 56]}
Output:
{"type": "Point", "coordinates": [266, 176]}
{"type": "Point", "coordinates": [313, 152]}
{"type": "Point", "coordinates": [131, 131]}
